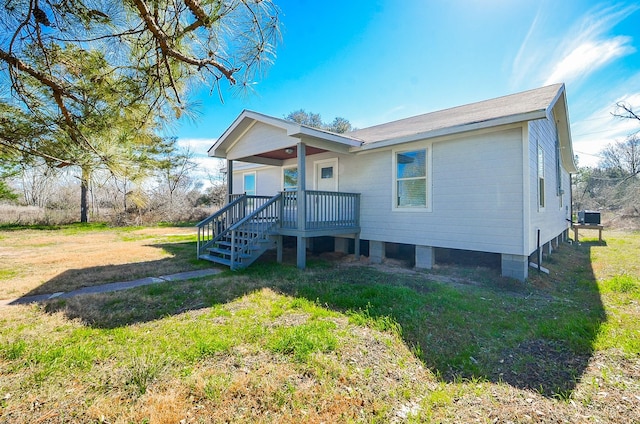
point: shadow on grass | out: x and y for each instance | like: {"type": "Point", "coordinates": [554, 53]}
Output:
{"type": "Point", "coordinates": [535, 336]}
{"type": "Point", "coordinates": [181, 258]}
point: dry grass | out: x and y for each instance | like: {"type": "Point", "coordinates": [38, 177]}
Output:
{"type": "Point", "coordinates": [332, 344]}
{"type": "Point", "coordinates": [50, 261]}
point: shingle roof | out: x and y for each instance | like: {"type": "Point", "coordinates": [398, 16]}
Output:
{"type": "Point", "coordinates": [514, 105]}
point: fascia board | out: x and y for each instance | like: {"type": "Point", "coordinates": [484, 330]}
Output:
{"type": "Point", "coordinates": [303, 131]}
{"type": "Point", "coordinates": [261, 160]}
{"type": "Point", "coordinates": [529, 116]}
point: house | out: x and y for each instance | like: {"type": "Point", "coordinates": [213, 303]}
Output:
{"type": "Point", "coordinates": [492, 176]}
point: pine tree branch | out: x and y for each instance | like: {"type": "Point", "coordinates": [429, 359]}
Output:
{"type": "Point", "coordinates": [163, 42]}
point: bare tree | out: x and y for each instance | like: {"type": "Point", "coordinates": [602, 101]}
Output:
{"type": "Point", "coordinates": [625, 110]}
{"type": "Point", "coordinates": [623, 156]}
{"type": "Point", "coordinates": [174, 173]}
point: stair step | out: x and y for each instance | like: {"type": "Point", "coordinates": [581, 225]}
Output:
{"type": "Point", "coordinates": [216, 259]}
{"type": "Point", "coordinates": [228, 243]}
{"type": "Point", "coordinates": [222, 261]}
{"type": "Point", "coordinates": [226, 252]}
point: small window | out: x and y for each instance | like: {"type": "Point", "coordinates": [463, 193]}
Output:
{"type": "Point", "coordinates": [411, 179]}
{"type": "Point", "coordinates": [290, 179]}
{"type": "Point", "coordinates": [249, 184]}
{"type": "Point", "coordinates": [541, 199]}
{"type": "Point", "coordinates": [326, 173]}
{"type": "Point", "coordinates": [559, 190]}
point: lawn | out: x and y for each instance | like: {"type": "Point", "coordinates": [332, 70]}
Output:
{"type": "Point", "coordinates": [335, 343]}
{"type": "Point", "coordinates": [40, 260]}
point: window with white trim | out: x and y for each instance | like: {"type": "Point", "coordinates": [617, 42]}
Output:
{"type": "Point", "coordinates": [411, 179]}
{"type": "Point", "coordinates": [290, 179]}
{"type": "Point", "coordinates": [559, 190]}
{"type": "Point", "coordinates": [541, 199]}
{"type": "Point", "coordinates": [249, 183]}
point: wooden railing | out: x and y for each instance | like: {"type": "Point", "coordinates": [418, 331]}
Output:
{"type": "Point", "coordinates": [330, 209]}
{"type": "Point", "coordinates": [324, 210]}
{"type": "Point", "coordinates": [211, 229]}
{"type": "Point", "coordinates": [289, 210]}
{"type": "Point", "coordinates": [254, 228]}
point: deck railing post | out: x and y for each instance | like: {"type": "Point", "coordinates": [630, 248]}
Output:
{"type": "Point", "coordinates": [198, 244]}
{"type": "Point", "coordinates": [233, 250]}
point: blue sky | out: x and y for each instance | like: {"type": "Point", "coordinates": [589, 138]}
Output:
{"type": "Point", "coordinates": [373, 61]}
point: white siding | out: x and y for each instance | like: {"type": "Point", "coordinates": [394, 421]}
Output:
{"type": "Point", "coordinates": [476, 187]}
{"type": "Point", "coordinates": [476, 195]}
{"type": "Point", "coordinates": [267, 180]}
{"type": "Point", "coordinates": [260, 138]}
{"type": "Point", "coordinates": [552, 219]}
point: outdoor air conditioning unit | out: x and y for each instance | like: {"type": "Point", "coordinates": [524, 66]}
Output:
{"type": "Point", "coordinates": [589, 217]}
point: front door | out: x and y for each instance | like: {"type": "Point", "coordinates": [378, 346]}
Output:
{"type": "Point", "coordinates": [326, 175]}
{"type": "Point", "coordinates": [322, 207]}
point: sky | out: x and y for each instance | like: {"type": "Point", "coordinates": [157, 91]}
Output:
{"type": "Point", "coordinates": [374, 61]}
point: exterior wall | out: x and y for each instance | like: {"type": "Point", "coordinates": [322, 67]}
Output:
{"type": "Point", "coordinates": [552, 219]}
{"type": "Point", "coordinates": [259, 139]}
{"type": "Point", "coordinates": [475, 187]}
{"type": "Point", "coordinates": [476, 194]}
{"type": "Point", "coordinates": [268, 179]}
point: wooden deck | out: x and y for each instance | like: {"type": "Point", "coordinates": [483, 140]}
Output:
{"type": "Point", "coordinates": [239, 232]}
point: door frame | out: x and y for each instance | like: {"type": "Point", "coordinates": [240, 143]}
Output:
{"type": "Point", "coordinates": [332, 161]}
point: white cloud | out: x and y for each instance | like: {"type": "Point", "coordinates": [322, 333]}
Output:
{"type": "Point", "coordinates": [583, 48]}
{"type": "Point", "coordinates": [199, 146]}
{"type": "Point", "coordinates": [589, 57]}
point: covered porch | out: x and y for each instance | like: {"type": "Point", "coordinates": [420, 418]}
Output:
{"type": "Point", "coordinates": [258, 218]}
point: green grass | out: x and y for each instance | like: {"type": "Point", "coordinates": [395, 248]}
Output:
{"type": "Point", "coordinates": [75, 228]}
{"type": "Point", "coordinates": [7, 274]}
{"type": "Point", "coordinates": [274, 335]}
{"type": "Point", "coordinates": [303, 340]}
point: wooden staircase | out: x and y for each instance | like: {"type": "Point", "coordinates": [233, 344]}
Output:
{"type": "Point", "coordinates": [239, 233]}
{"type": "Point", "coordinates": [239, 252]}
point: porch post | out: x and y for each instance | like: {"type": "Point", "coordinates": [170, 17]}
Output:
{"type": "Point", "coordinates": [279, 249]}
{"type": "Point", "coordinates": [229, 179]}
{"type": "Point", "coordinates": [301, 206]}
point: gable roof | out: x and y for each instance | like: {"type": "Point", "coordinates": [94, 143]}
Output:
{"type": "Point", "coordinates": [546, 102]}
{"type": "Point", "coordinates": [532, 104]}
{"type": "Point", "coordinates": [249, 118]}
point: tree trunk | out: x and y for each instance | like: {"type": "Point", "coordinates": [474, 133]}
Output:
{"type": "Point", "coordinates": [84, 188]}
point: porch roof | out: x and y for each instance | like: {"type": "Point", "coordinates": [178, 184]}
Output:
{"type": "Point", "coordinates": [284, 147]}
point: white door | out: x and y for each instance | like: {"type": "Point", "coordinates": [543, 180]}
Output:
{"type": "Point", "coordinates": [321, 207]}
{"type": "Point", "coordinates": [326, 175]}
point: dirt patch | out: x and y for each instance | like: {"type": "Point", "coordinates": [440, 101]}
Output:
{"type": "Point", "coordinates": [543, 365]}
{"type": "Point", "coordinates": [38, 261]}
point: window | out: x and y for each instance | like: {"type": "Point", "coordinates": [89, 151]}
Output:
{"type": "Point", "coordinates": [326, 173]}
{"type": "Point", "coordinates": [540, 177]}
{"type": "Point", "coordinates": [249, 183]}
{"type": "Point", "coordinates": [559, 190]}
{"type": "Point", "coordinates": [290, 179]}
{"type": "Point", "coordinates": [411, 179]}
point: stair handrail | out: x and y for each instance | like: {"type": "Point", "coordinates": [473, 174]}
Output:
{"type": "Point", "coordinates": [214, 235]}
{"type": "Point", "coordinates": [238, 225]}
